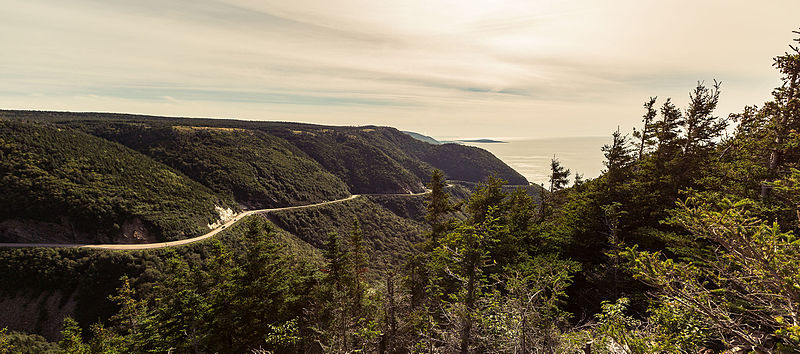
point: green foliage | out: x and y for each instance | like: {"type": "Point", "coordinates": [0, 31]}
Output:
{"type": "Point", "coordinates": [559, 176]}
{"type": "Point", "coordinates": [343, 317]}
{"type": "Point", "coordinates": [487, 287]}
{"type": "Point", "coordinates": [742, 291]}
{"type": "Point", "coordinates": [131, 311]}
{"type": "Point", "coordinates": [468, 163]}
{"type": "Point", "coordinates": [5, 341]}
{"type": "Point", "coordinates": [529, 317]}
{"type": "Point", "coordinates": [283, 335]}
{"type": "Point", "coordinates": [438, 206]}
{"type": "Point", "coordinates": [90, 189]}
{"type": "Point", "coordinates": [231, 301]}
{"type": "Point", "coordinates": [388, 238]}
{"type": "Point", "coordinates": [23, 343]}
{"type": "Point", "coordinates": [368, 159]}
{"type": "Point", "coordinates": [618, 158]}
{"type": "Point", "coordinates": [359, 157]}
{"type": "Point", "coordinates": [254, 168]}
{"type": "Point", "coordinates": [72, 339]}
{"type": "Point", "coordinates": [646, 136]}
{"type": "Point", "coordinates": [619, 329]}
{"type": "Point", "coordinates": [677, 327]}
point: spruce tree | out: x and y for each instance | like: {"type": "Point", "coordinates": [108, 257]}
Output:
{"type": "Point", "coordinates": [700, 126]}
{"type": "Point", "coordinates": [559, 176]}
{"type": "Point", "coordinates": [783, 111]}
{"type": "Point", "coordinates": [667, 130]}
{"type": "Point", "coordinates": [359, 261]}
{"type": "Point", "coordinates": [438, 206]}
{"type": "Point", "coordinates": [618, 158]}
{"type": "Point", "coordinates": [646, 135]}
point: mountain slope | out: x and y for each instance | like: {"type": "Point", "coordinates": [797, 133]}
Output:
{"type": "Point", "coordinates": [458, 162]}
{"type": "Point", "coordinates": [362, 162]}
{"type": "Point", "coordinates": [67, 186]}
{"type": "Point", "coordinates": [254, 168]}
{"type": "Point", "coordinates": [368, 159]}
{"type": "Point", "coordinates": [388, 237]}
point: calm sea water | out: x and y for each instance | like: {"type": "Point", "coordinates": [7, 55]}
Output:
{"type": "Point", "coordinates": [531, 157]}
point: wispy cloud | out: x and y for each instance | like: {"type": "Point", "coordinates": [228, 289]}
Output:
{"type": "Point", "coordinates": [545, 68]}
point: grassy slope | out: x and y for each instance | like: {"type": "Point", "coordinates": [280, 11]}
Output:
{"type": "Point", "coordinates": [93, 187]}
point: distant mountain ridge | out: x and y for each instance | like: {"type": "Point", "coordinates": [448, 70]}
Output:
{"type": "Point", "coordinates": [230, 163]}
{"type": "Point", "coordinates": [484, 141]}
{"type": "Point", "coordinates": [422, 137]}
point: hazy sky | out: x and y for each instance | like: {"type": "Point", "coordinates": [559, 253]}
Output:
{"type": "Point", "coordinates": [443, 68]}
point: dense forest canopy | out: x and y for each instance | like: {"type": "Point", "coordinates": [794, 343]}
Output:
{"type": "Point", "coordinates": [105, 178]}
{"type": "Point", "coordinates": [686, 243]}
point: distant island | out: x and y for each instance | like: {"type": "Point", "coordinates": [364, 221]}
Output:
{"type": "Point", "coordinates": [433, 141]}
{"type": "Point", "coordinates": [483, 141]}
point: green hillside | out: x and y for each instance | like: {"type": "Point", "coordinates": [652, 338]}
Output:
{"type": "Point", "coordinates": [352, 155]}
{"type": "Point", "coordinates": [367, 159]}
{"type": "Point", "coordinates": [458, 162]}
{"type": "Point", "coordinates": [61, 185]}
{"type": "Point", "coordinates": [256, 169]}
{"type": "Point", "coordinates": [388, 237]}
{"type": "Point", "coordinates": [43, 285]}
{"type": "Point", "coordinates": [469, 163]}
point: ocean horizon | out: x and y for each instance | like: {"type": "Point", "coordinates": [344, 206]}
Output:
{"type": "Point", "coordinates": [531, 156]}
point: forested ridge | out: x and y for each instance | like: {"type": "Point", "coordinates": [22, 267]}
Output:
{"type": "Point", "coordinates": [256, 169]}
{"type": "Point", "coordinates": [79, 187]}
{"type": "Point", "coordinates": [368, 159]}
{"type": "Point", "coordinates": [687, 242]}
{"type": "Point", "coordinates": [104, 178]}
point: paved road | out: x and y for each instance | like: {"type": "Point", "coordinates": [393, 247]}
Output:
{"type": "Point", "coordinates": [143, 246]}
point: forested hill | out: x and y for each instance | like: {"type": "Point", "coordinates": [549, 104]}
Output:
{"type": "Point", "coordinates": [368, 159]}
{"type": "Point", "coordinates": [61, 185]}
{"type": "Point", "coordinates": [95, 177]}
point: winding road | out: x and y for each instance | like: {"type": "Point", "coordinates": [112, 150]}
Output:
{"type": "Point", "coordinates": [235, 219]}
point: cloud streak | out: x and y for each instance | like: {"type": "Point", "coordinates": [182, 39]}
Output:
{"type": "Point", "coordinates": [543, 68]}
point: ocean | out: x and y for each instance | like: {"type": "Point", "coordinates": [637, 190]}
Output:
{"type": "Point", "coordinates": [531, 157]}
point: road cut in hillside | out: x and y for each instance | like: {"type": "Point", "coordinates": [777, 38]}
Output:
{"type": "Point", "coordinates": [143, 246]}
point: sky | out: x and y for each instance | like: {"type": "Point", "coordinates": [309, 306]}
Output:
{"type": "Point", "coordinates": [465, 68]}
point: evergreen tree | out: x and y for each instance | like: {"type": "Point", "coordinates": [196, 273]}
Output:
{"type": "Point", "coordinates": [579, 181]}
{"type": "Point", "coordinates": [465, 254]}
{"type": "Point", "coordinates": [745, 291]}
{"type": "Point", "coordinates": [131, 311]}
{"type": "Point", "coordinates": [72, 338]}
{"type": "Point", "coordinates": [263, 292]}
{"type": "Point", "coordinates": [646, 135]}
{"type": "Point", "coordinates": [438, 206]}
{"type": "Point", "coordinates": [128, 320]}
{"type": "Point", "coordinates": [667, 131]}
{"type": "Point", "coordinates": [359, 262]}
{"type": "Point", "coordinates": [558, 175]}
{"type": "Point", "coordinates": [700, 126]}
{"type": "Point", "coordinates": [489, 194]}
{"type": "Point", "coordinates": [783, 112]}
{"type": "Point", "coordinates": [618, 158]}
{"type": "Point", "coordinates": [520, 210]}
{"type": "Point", "coordinates": [336, 278]}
